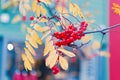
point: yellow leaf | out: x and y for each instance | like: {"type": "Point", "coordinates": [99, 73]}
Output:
{"type": "Point", "coordinates": [87, 51]}
{"type": "Point", "coordinates": [116, 8]}
{"type": "Point", "coordinates": [29, 30]}
{"type": "Point", "coordinates": [27, 6]}
{"type": "Point", "coordinates": [46, 1]}
{"type": "Point", "coordinates": [54, 28]}
{"type": "Point", "coordinates": [74, 8]}
{"type": "Point", "coordinates": [66, 52]}
{"type": "Point", "coordinates": [45, 34]}
{"type": "Point", "coordinates": [75, 11]}
{"type": "Point", "coordinates": [48, 47]}
{"type": "Point", "coordinates": [38, 10]}
{"type": "Point", "coordinates": [71, 7]}
{"type": "Point", "coordinates": [40, 29]}
{"type": "Point", "coordinates": [31, 41]}
{"type": "Point", "coordinates": [36, 37]}
{"type": "Point", "coordinates": [79, 11]}
{"type": "Point", "coordinates": [103, 53]}
{"type": "Point", "coordinates": [48, 39]}
{"type": "Point", "coordinates": [30, 48]}
{"type": "Point", "coordinates": [80, 14]}
{"type": "Point", "coordinates": [51, 59]}
{"type": "Point", "coordinates": [86, 38]}
{"type": "Point", "coordinates": [58, 24]}
{"type": "Point", "coordinates": [50, 43]}
{"type": "Point", "coordinates": [16, 19]}
{"type": "Point", "coordinates": [96, 45]}
{"type": "Point", "coordinates": [32, 24]}
{"type": "Point", "coordinates": [46, 28]}
{"type": "Point", "coordinates": [23, 56]}
{"type": "Point", "coordinates": [91, 21]}
{"type": "Point", "coordinates": [63, 63]}
{"type": "Point", "coordinates": [29, 56]}
{"type": "Point", "coordinates": [43, 20]}
{"type": "Point", "coordinates": [43, 10]}
{"type": "Point", "coordinates": [34, 5]}
{"type": "Point", "coordinates": [22, 9]}
{"type": "Point", "coordinates": [27, 64]}
{"type": "Point", "coordinates": [61, 9]}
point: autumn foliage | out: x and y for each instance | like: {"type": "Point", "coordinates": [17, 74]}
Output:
{"type": "Point", "coordinates": [57, 30]}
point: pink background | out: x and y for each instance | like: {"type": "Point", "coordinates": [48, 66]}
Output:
{"type": "Point", "coordinates": [114, 44]}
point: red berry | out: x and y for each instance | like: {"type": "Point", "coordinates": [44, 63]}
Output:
{"type": "Point", "coordinates": [44, 17]}
{"type": "Point", "coordinates": [70, 27]}
{"type": "Point", "coordinates": [57, 1]}
{"type": "Point", "coordinates": [74, 28]}
{"type": "Point", "coordinates": [72, 34]}
{"type": "Point", "coordinates": [65, 37]}
{"type": "Point", "coordinates": [83, 28]}
{"type": "Point", "coordinates": [23, 18]}
{"type": "Point", "coordinates": [83, 34]}
{"type": "Point", "coordinates": [56, 33]}
{"type": "Point", "coordinates": [55, 70]}
{"type": "Point", "coordinates": [68, 41]}
{"type": "Point", "coordinates": [84, 23]}
{"type": "Point", "coordinates": [58, 58]}
{"type": "Point", "coordinates": [59, 33]}
{"type": "Point", "coordinates": [80, 31]}
{"type": "Point", "coordinates": [70, 31]}
{"type": "Point", "coordinates": [31, 18]}
{"type": "Point", "coordinates": [75, 33]}
{"type": "Point", "coordinates": [64, 42]}
{"type": "Point", "coordinates": [57, 43]}
{"type": "Point", "coordinates": [54, 67]}
{"type": "Point", "coordinates": [79, 37]}
{"type": "Point", "coordinates": [62, 34]}
{"type": "Point", "coordinates": [73, 60]}
{"type": "Point", "coordinates": [67, 31]}
{"type": "Point", "coordinates": [38, 1]}
{"type": "Point", "coordinates": [72, 39]}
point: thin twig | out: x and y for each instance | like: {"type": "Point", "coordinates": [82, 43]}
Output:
{"type": "Point", "coordinates": [102, 30]}
{"type": "Point", "coordinates": [77, 47]}
{"type": "Point", "coordinates": [102, 39]}
{"type": "Point", "coordinates": [67, 19]}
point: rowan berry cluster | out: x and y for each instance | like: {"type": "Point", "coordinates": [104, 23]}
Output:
{"type": "Point", "coordinates": [70, 35]}
{"type": "Point", "coordinates": [55, 70]}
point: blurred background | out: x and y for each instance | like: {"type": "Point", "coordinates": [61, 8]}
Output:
{"type": "Point", "coordinates": [12, 37]}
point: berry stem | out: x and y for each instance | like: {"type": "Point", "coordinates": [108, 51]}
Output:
{"type": "Point", "coordinates": [67, 19]}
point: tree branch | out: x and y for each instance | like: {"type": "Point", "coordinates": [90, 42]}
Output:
{"type": "Point", "coordinates": [102, 30]}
